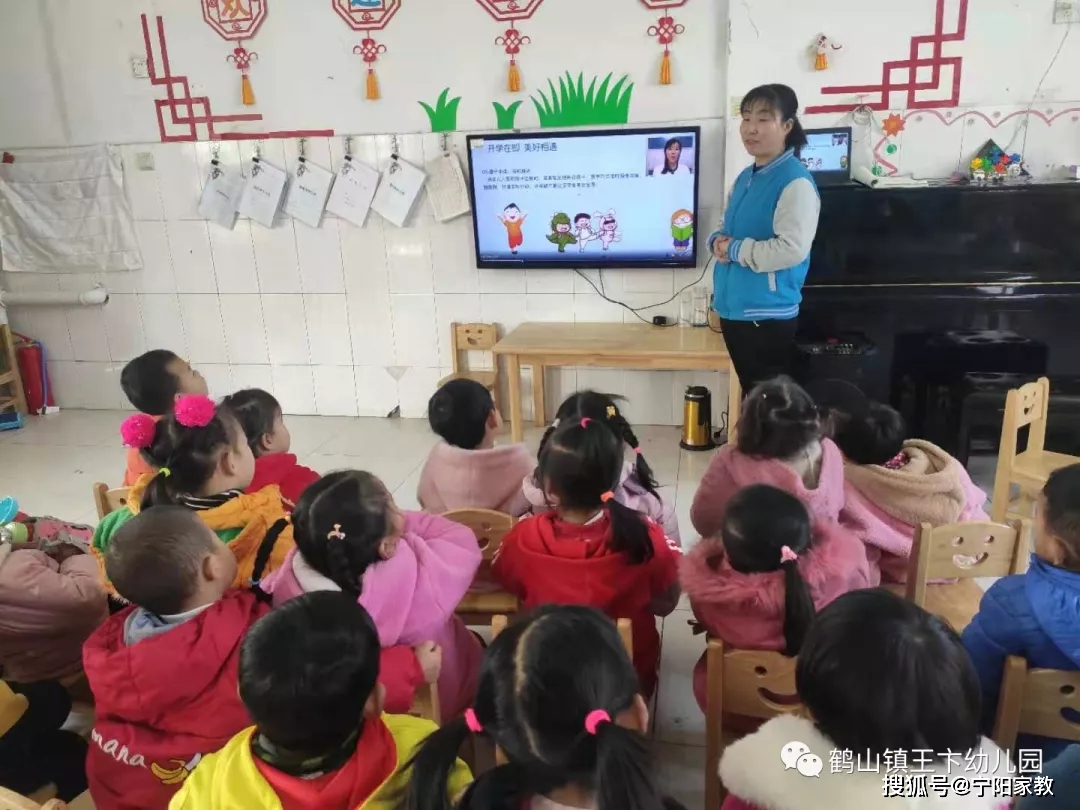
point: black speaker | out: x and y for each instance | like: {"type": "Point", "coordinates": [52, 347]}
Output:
{"type": "Point", "coordinates": [850, 357]}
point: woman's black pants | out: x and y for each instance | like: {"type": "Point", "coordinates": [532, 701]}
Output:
{"type": "Point", "coordinates": [760, 350]}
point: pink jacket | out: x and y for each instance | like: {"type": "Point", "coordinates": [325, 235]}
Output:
{"type": "Point", "coordinates": [746, 611]}
{"type": "Point", "coordinates": [453, 478]}
{"type": "Point", "coordinates": [412, 597]}
{"type": "Point", "coordinates": [47, 610]}
{"type": "Point", "coordinates": [884, 506]}
{"type": "Point", "coordinates": [630, 493]}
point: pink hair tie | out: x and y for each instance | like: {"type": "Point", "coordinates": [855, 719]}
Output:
{"type": "Point", "coordinates": [195, 410]}
{"type": "Point", "coordinates": [585, 422]}
{"type": "Point", "coordinates": [787, 555]}
{"type": "Point", "coordinates": [138, 430]}
{"type": "Point", "coordinates": [594, 718]}
{"type": "Point", "coordinates": [472, 723]}
{"type": "Point", "coordinates": [637, 451]}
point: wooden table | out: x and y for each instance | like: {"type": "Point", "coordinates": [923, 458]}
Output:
{"type": "Point", "coordinates": [611, 345]}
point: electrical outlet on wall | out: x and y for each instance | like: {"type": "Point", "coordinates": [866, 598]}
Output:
{"type": "Point", "coordinates": [139, 67]}
{"type": "Point", "coordinates": [1066, 12]}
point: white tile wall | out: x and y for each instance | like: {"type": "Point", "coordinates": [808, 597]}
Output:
{"type": "Point", "coordinates": [337, 320]}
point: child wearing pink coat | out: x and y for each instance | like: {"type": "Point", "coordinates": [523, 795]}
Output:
{"type": "Point", "coordinates": [759, 585]}
{"type": "Point", "coordinates": [408, 569]}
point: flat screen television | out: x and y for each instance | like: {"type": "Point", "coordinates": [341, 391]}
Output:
{"type": "Point", "coordinates": [585, 199]}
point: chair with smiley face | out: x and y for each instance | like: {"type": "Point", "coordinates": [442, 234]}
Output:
{"type": "Point", "coordinates": [1044, 702]}
{"type": "Point", "coordinates": [757, 684]}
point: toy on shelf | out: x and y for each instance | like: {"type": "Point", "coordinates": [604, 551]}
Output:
{"type": "Point", "coordinates": [993, 163]}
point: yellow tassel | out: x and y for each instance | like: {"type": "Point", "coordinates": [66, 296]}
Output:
{"type": "Point", "coordinates": [372, 86]}
{"type": "Point", "coordinates": [513, 79]}
{"type": "Point", "coordinates": [665, 68]}
{"type": "Point", "coordinates": [247, 95]}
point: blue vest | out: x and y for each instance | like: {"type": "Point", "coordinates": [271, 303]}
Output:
{"type": "Point", "coordinates": [739, 293]}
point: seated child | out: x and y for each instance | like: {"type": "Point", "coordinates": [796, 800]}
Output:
{"type": "Point", "coordinates": [559, 698]}
{"type": "Point", "coordinates": [894, 483]}
{"type": "Point", "coordinates": [163, 671]}
{"type": "Point", "coordinates": [1064, 773]}
{"type": "Point", "coordinates": [51, 599]}
{"type": "Point", "coordinates": [152, 382]}
{"type": "Point", "coordinates": [878, 675]}
{"type": "Point", "coordinates": [637, 487]}
{"type": "Point", "coordinates": [205, 464]}
{"type": "Point", "coordinates": [760, 587]}
{"type": "Point", "coordinates": [779, 442]}
{"type": "Point", "coordinates": [308, 675]}
{"type": "Point", "coordinates": [260, 417]}
{"type": "Point", "coordinates": [591, 549]}
{"type": "Point", "coordinates": [1035, 615]}
{"type": "Point", "coordinates": [408, 569]}
{"type": "Point", "coordinates": [34, 751]}
{"type": "Point", "coordinates": [466, 469]}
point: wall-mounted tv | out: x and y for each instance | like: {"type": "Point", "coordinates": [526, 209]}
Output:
{"type": "Point", "coordinates": [585, 199]}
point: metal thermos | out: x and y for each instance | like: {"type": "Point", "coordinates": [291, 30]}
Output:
{"type": "Point", "coordinates": [697, 419]}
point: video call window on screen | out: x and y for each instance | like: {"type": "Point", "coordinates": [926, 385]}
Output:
{"type": "Point", "coordinates": [675, 155]}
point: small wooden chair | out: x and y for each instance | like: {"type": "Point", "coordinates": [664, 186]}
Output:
{"type": "Point", "coordinates": [10, 377]}
{"type": "Point", "coordinates": [963, 551]}
{"type": "Point", "coordinates": [1027, 405]}
{"type": "Point", "coordinates": [1032, 702]}
{"type": "Point", "coordinates": [466, 337]}
{"type": "Point", "coordinates": [742, 682]}
{"type": "Point", "coordinates": [481, 603]}
{"type": "Point", "coordinates": [10, 800]}
{"type": "Point", "coordinates": [625, 628]}
{"type": "Point", "coordinates": [109, 500]}
{"type": "Point", "coordinates": [426, 703]}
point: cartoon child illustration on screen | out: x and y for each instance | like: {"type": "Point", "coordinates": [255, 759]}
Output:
{"type": "Point", "coordinates": [609, 228]}
{"type": "Point", "coordinates": [682, 230]}
{"type": "Point", "coordinates": [584, 231]}
{"type": "Point", "coordinates": [512, 219]}
{"type": "Point", "coordinates": [560, 232]}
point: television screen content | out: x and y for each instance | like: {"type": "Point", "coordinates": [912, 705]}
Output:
{"type": "Point", "coordinates": [617, 198]}
{"type": "Point", "coordinates": [826, 151]}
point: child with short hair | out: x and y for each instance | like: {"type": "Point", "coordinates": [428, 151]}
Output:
{"type": "Point", "coordinates": [760, 587]}
{"type": "Point", "coordinates": [1035, 615]}
{"type": "Point", "coordinates": [152, 382]}
{"type": "Point", "coordinates": [637, 487]}
{"type": "Point", "coordinates": [894, 483]}
{"type": "Point", "coordinates": [591, 549]}
{"type": "Point", "coordinates": [205, 464]}
{"type": "Point", "coordinates": [163, 671]}
{"type": "Point", "coordinates": [259, 414]}
{"type": "Point", "coordinates": [467, 469]}
{"type": "Point", "coordinates": [878, 675]}
{"type": "Point", "coordinates": [409, 570]}
{"type": "Point", "coordinates": [308, 676]}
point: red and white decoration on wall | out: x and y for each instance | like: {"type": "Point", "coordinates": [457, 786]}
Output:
{"type": "Point", "coordinates": [368, 16]}
{"type": "Point", "coordinates": [511, 40]}
{"type": "Point", "coordinates": [237, 21]}
{"type": "Point", "coordinates": [665, 30]}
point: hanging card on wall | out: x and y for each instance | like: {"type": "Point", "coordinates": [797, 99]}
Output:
{"type": "Point", "coordinates": [262, 193]}
{"type": "Point", "coordinates": [353, 191]}
{"type": "Point", "coordinates": [220, 195]}
{"type": "Point", "coordinates": [307, 193]}
{"type": "Point", "coordinates": [446, 187]}
{"type": "Point", "coordinates": [400, 185]}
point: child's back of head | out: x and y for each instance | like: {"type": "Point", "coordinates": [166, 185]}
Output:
{"type": "Point", "coordinates": [1057, 537]}
{"type": "Point", "coordinates": [873, 434]}
{"type": "Point", "coordinates": [558, 695]}
{"type": "Point", "coordinates": [779, 420]}
{"type": "Point", "coordinates": [307, 676]}
{"type": "Point", "coordinates": [153, 381]}
{"type": "Point", "coordinates": [767, 529]}
{"type": "Point", "coordinates": [878, 673]}
{"type": "Point", "coordinates": [462, 413]}
{"type": "Point", "coordinates": [579, 468]}
{"type": "Point", "coordinates": [167, 561]}
{"type": "Point", "coordinates": [259, 415]}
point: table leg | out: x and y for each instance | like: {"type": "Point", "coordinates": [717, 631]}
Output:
{"type": "Point", "coordinates": [734, 403]}
{"type": "Point", "coordinates": [538, 395]}
{"type": "Point", "coordinates": [513, 372]}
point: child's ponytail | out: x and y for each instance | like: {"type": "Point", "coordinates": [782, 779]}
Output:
{"type": "Point", "coordinates": [624, 779]}
{"type": "Point", "coordinates": [642, 470]}
{"type": "Point", "coordinates": [798, 605]}
{"type": "Point", "coordinates": [630, 532]}
{"type": "Point", "coordinates": [430, 767]}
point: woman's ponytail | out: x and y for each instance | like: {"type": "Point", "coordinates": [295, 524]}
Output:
{"type": "Point", "coordinates": [624, 771]}
{"type": "Point", "coordinates": [798, 607]}
{"type": "Point", "coordinates": [430, 767]}
{"type": "Point", "coordinates": [630, 532]}
{"type": "Point", "coordinates": [796, 138]}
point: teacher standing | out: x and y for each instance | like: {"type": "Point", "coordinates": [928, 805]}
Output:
{"type": "Point", "coordinates": [762, 249]}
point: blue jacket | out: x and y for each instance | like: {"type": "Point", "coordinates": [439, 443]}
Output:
{"type": "Point", "coordinates": [771, 219]}
{"type": "Point", "coordinates": [1065, 773]}
{"type": "Point", "coordinates": [1034, 615]}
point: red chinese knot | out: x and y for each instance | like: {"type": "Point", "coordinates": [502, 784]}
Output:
{"type": "Point", "coordinates": [369, 50]}
{"type": "Point", "coordinates": [234, 19]}
{"type": "Point", "coordinates": [512, 41]}
{"type": "Point", "coordinates": [665, 30]}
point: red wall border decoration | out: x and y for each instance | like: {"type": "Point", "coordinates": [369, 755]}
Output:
{"type": "Point", "coordinates": [511, 40]}
{"type": "Point", "coordinates": [183, 118]}
{"type": "Point", "coordinates": [234, 22]}
{"type": "Point", "coordinates": [373, 15]}
{"type": "Point", "coordinates": [936, 61]}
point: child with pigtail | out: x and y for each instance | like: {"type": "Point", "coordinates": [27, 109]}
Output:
{"type": "Point", "coordinates": [637, 486]}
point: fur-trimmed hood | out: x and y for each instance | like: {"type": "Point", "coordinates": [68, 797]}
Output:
{"type": "Point", "coordinates": [752, 770]}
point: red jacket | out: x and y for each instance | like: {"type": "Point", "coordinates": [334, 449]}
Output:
{"type": "Point", "coordinates": [282, 469]}
{"type": "Point", "coordinates": [164, 702]}
{"type": "Point", "coordinates": [545, 560]}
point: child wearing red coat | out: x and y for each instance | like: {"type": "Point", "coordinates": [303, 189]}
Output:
{"type": "Point", "coordinates": [259, 414]}
{"type": "Point", "coordinates": [592, 550]}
